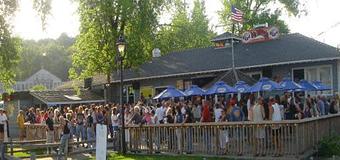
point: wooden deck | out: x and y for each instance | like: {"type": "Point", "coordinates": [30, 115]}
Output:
{"type": "Point", "coordinates": [293, 139]}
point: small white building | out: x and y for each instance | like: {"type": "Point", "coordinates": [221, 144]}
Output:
{"type": "Point", "coordinates": [42, 77]}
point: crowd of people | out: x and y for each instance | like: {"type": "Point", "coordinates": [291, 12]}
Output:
{"type": "Point", "coordinates": [79, 123]}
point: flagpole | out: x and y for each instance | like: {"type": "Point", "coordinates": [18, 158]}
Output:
{"type": "Point", "coordinates": [232, 53]}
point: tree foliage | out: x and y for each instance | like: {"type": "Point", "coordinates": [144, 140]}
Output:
{"type": "Point", "coordinates": [57, 59]}
{"type": "Point", "coordinates": [259, 12]}
{"type": "Point", "coordinates": [185, 32]}
{"type": "Point", "coordinates": [10, 46]}
{"type": "Point", "coordinates": [101, 24]}
{"type": "Point", "coordinates": [38, 87]}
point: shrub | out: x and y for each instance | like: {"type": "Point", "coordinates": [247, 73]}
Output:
{"type": "Point", "coordinates": [329, 146]}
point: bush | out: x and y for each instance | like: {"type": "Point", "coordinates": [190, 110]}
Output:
{"type": "Point", "coordinates": [329, 146]}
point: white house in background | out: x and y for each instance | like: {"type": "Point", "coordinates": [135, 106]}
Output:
{"type": "Point", "coordinates": [42, 77]}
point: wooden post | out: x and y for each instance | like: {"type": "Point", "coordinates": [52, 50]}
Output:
{"type": "Point", "coordinates": [33, 157]}
{"type": "Point", "coordinates": [11, 146]}
{"type": "Point", "coordinates": [66, 150]}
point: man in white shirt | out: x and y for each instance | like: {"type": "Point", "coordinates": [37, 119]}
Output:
{"type": "Point", "coordinates": [160, 112]}
{"type": "Point", "coordinates": [217, 112]}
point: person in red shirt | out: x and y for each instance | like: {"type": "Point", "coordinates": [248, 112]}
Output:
{"type": "Point", "coordinates": [206, 116]}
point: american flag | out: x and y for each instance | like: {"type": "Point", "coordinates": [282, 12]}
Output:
{"type": "Point", "coordinates": [236, 14]}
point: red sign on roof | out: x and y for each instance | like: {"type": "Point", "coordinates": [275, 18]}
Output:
{"type": "Point", "coordinates": [260, 34]}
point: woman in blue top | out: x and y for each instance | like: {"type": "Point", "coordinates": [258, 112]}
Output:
{"type": "Point", "coordinates": [237, 115]}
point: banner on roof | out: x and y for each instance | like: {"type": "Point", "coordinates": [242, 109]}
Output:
{"type": "Point", "coordinates": [260, 34]}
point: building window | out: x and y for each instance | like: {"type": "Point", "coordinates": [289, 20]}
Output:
{"type": "Point", "coordinates": [128, 94]}
{"type": "Point", "coordinates": [317, 73]}
{"type": "Point", "coordinates": [158, 90]}
{"type": "Point", "coordinates": [298, 74]}
{"type": "Point", "coordinates": [255, 75]}
{"type": "Point", "coordinates": [325, 74]}
{"type": "Point", "coordinates": [187, 84]}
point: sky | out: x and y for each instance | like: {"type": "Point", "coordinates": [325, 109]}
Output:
{"type": "Point", "coordinates": [323, 17]}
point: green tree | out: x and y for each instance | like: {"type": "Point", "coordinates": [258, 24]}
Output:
{"type": "Point", "coordinates": [259, 12]}
{"type": "Point", "coordinates": [38, 87]}
{"type": "Point", "coordinates": [57, 57]}
{"type": "Point", "coordinates": [101, 24]}
{"type": "Point", "coordinates": [10, 46]}
{"type": "Point", "coordinates": [185, 32]}
{"type": "Point", "coordinates": [9, 55]}
{"type": "Point", "coordinates": [201, 33]}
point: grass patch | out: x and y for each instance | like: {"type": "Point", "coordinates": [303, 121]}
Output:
{"type": "Point", "coordinates": [116, 156]}
{"type": "Point", "coordinates": [26, 154]}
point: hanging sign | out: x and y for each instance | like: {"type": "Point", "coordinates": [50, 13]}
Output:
{"type": "Point", "coordinates": [260, 34]}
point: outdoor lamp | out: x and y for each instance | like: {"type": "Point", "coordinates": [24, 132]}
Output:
{"type": "Point", "coordinates": [121, 48]}
{"type": "Point", "coordinates": [121, 44]}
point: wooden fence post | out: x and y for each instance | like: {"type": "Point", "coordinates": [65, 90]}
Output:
{"type": "Point", "coordinates": [11, 146]}
{"type": "Point", "coordinates": [66, 149]}
{"type": "Point", "coordinates": [33, 156]}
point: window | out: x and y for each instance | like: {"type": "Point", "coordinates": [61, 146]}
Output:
{"type": "Point", "coordinates": [158, 90]}
{"type": "Point", "coordinates": [128, 94]}
{"type": "Point", "coordinates": [255, 75]}
{"type": "Point", "coordinates": [187, 84]}
{"type": "Point", "coordinates": [298, 74]}
{"type": "Point", "coordinates": [326, 75]}
{"type": "Point", "coordinates": [317, 73]}
{"type": "Point", "coordinates": [311, 74]}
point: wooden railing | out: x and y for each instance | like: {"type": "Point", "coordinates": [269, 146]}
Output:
{"type": "Point", "coordinates": [293, 138]}
{"type": "Point", "coordinates": [289, 138]}
{"type": "Point", "coordinates": [38, 131]}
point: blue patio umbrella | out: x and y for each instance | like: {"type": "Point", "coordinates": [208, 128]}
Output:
{"type": "Point", "coordinates": [220, 88]}
{"type": "Point", "coordinates": [321, 87]}
{"type": "Point", "coordinates": [308, 86]}
{"type": "Point", "coordinates": [288, 85]}
{"type": "Point", "coordinates": [265, 84]}
{"type": "Point", "coordinates": [194, 91]}
{"type": "Point", "coordinates": [241, 86]}
{"type": "Point", "coordinates": [170, 92]}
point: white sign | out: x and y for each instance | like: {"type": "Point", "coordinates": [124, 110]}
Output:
{"type": "Point", "coordinates": [241, 90]}
{"type": "Point", "coordinates": [221, 90]}
{"type": "Point", "coordinates": [190, 92]}
{"type": "Point", "coordinates": [266, 87]}
{"type": "Point", "coordinates": [101, 141]}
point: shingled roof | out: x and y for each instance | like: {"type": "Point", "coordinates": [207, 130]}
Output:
{"type": "Point", "coordinates": [230, 79]}
{"type": "Point", "coordinates": [67, 97]}
{"type": "Point", "coordinates": [223, 36]}
{"type": "Point", "coordinates": [288, 49]}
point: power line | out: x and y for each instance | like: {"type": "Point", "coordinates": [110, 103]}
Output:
{"type": "Point", "coordinates": [331, 27]}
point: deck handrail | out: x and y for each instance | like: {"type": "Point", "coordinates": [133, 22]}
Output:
{"type": "Point", "coordinates": [294, 139]}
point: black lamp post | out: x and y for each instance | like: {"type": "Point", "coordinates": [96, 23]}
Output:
{"type": "Point", "coordinates": [121, 49]}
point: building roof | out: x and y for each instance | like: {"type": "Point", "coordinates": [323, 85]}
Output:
{"type": "Point", "coordinates": [223, 36]}
{"type": "Point", "coordinates": [230, 79]}
{"type": "Point", "coordinates": [42, 74]}
{"type": "Point", "coordinates": [67, 97]}
{"type": "Point", "coordinates": [98, 79]}
{"type": "Point", "coordinates": [288, 49]}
